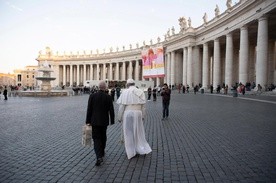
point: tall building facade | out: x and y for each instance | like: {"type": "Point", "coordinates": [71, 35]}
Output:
{"type": "Point", "coordinates": [26, 77]}
{"type": "Point", "coordinates": [237, 45]}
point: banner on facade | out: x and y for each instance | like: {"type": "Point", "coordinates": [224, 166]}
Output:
{"type": "Point", "coordinates": [153, 62]}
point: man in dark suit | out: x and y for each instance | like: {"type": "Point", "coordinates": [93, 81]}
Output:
{"type": "Point", "coordinates": [100, 111]}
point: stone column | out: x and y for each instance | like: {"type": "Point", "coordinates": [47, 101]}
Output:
{"type": "Point", "coordinates": [110, 77]}
{"type": "Point", "coordinates": [124, 71]}
{"type": "Point", "coordinates": [137, 70]}
{"type": "Point", "coordinates": [130, 69]}
{"type": "Point", "coordinates": [229, 60]}
{"type": "Point", "coordinates": [262, 52]}
{"type": "Point", "coordinates": [168, 68]}
{"type": "Point", "coordinates": [184, 79]}
{"type": "Point", "coordinates": [84, 73]}
{"type": "Point", "coordinates": [71, 75]}
{"type": "Point", "coordinates": [172, 68]}
{"type": "Point", "coordinates": [205, 66]}
{"type": "Point", "coordinates": [78, 75]}
{"type": "Point", "coordinates": [157, 81]}
{"type": "Point", "coordinates": [64, 75]}
{"type": "Point", "coordinates": [197, 66]}
{"type": "Point", "coordinates": [217, 64]}
{"type": "Point", "coordinates": [189, 67]}
{"type": "Point", "coordinates": [97, 72]}
{"type": "Point", "coordinates": [244, 56]}
{"type": "Point", "coordinates": [91, 72]}
{"type": "Point", "coordinates": [117, 71]}
{"type": "Point", "coordinates": [104, 72]}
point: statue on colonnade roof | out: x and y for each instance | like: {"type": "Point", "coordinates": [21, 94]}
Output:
{"type": "Point", "coordinates": [173, 30]}
{"type": "Point", "coordinates": [229, 4]}
{"type": "Point", "coordinates": [205, 18]}
{"type": "Point", "coordinates": [217, 12]}
{"type": "Point", "coordinates": [183, 24]}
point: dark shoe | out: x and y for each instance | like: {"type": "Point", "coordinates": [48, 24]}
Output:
{"type": "Point", "coordinates": [99, 161]}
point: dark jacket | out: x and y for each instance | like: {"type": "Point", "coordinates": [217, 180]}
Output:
{"type": "Point", "coordinates": [166, 94]}
{"type": "Point", "coordinates": [100, 109]}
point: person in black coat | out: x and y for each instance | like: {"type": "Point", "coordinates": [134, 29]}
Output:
{"type": "Point", "coordinates": [100, 113]}
{"type": "Point", "coordinates": [5, 93]}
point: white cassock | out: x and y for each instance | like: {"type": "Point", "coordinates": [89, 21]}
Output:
{"type": "Point", "coordinates": [131, 112]}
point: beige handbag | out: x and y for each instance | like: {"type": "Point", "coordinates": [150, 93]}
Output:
{"type": "Point", "coordinates": [86, 135]}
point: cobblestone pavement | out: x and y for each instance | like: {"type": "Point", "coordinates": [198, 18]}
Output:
{"type": "Point", "coordinates": [207, 138]}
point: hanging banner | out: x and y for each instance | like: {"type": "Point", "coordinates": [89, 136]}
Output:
{"type": "Point", "coordinates": [153, 62]}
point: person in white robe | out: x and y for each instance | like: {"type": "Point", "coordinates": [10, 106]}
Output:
{"type": "Point", "coordinates": [132, 113]}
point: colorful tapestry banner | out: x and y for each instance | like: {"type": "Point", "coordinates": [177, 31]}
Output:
{"type": "Point", "coordinates": [153, 62]}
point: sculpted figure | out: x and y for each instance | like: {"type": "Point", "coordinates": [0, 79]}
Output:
{"type": "Point", "coordinates": [48, 51]}
{"type": "Point", "coordinates": [158, 39]}
{"type": "Point", "coordinates": [130, 46]}
{"type": "Point", "coordinates": [117, 49]}
{"type": "Point", "coordinates": [205, 18]}
{"type": "Point", "coordinates": [182, 23]}
{"type": "Point", "coordinates": [173, 30]}
{"type": "Point", "coordinates": [91, 52]}
{"type": "Point", "coordinates": [165, 36]}
{"type": "Point", "coordinates": [168, 33]}
{"type": "Point", "coordinates": [229, 4]}
{"type": "Point", "coordinates": [189, 22]}
{"type": "Point", "coordinates": [123, 48]}
{"type": "Point", "coordinates": [137, 45]}
{"type": "Point", "coordinates": [144, 43]}
{"type": "Point", "coordinates": [217, 12]}
{"type": "Point", "coordinates": [151, 42]}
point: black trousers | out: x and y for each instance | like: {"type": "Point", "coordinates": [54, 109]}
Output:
{"type": "Point", "coordinates": [99, 138]}
{"type": "Point", "coordinates": [165, 108]}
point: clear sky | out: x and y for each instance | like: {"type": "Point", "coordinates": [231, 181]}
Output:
{"type": "Point", "coordinates": [28, 26]}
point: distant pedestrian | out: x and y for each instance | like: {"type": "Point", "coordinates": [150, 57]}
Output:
{"type": "Point", "coordinates": [211, 88]}
{"type": "Point", "coordinates": [166, 97]}
{"type": "Point", "coordinates": [149, 93]}
{"type": "Point", "coordinates": [112, 93]}
{"type": "Point", "coordinates": [259, 89]}
{"type": "Point", "coordinates": [226, 90]}
{"type": "Point", "coordinates": [100, 112]}
{"type": "Point", "coordinates": [118, 92]}
{"type": "Point", "coordinates": [5, 93]}
{"type": "Point", "coordinates": [154, 91]}
{"type": "Point", "coordinates": [183, 89]}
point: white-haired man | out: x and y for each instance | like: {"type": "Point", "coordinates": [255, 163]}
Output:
{"type": "Point", "coordinates": [100, 111]}
{"type": "Point", "coordinates": [132, 113]}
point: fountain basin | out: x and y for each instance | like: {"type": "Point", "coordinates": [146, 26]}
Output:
{"type": "Point", "coordinates": [40, 93]}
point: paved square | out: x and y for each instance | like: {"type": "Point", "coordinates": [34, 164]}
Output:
{"type": "Point", "coordinates": [207, 138]}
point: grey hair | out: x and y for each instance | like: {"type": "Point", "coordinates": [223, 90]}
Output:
{"type": "Point", "coordinates": [102, 85]}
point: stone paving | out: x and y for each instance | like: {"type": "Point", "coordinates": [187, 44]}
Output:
{"type": "Point", "coordinates": [207, 138]}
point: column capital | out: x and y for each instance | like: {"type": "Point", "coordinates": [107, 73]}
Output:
{"type": "Point", "coordinates": [244, 27]}
{"type": "Point", "coordinates": [230, 34]}
{"type": "Point", "coordinates": [262, 18]}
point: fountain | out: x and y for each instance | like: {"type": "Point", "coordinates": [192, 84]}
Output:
{"type": "Point", "coordinates": [46, 77]}
{"type": "Point", "coordinates": [45, 88]}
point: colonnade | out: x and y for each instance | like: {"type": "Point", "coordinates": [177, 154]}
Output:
{"type": "Point", "coordinates": [212, 62]}
{"type": "Point", "coordinates": [75, 74]}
